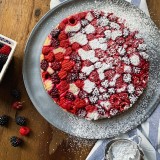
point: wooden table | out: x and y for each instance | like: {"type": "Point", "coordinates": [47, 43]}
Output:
{"type": "Point", "coordinates": [17, 19]}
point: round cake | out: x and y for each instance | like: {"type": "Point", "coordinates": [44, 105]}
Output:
{"type": "Point", "coordinates": [93, 65]}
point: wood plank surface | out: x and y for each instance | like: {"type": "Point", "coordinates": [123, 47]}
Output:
{"type": "Point", "coordinates": [17, 19]}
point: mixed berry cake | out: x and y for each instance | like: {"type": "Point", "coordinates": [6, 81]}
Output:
{"type": "Point", "coordinates": [93, 65]}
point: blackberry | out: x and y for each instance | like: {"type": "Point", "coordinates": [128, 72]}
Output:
{"type": "Point", "coordinates": [84, 22]}
{"type": "Point", "coordinates": [16, 94]}
{"type": "Point", "coordinates": [70, 96]}
{"type": "Point", "coordinates": [1, 45]}
{"type": "Point", "coordinates": [3, 59]}
{"type": "Point", "coordinates": [81, 113]}
{"type": "Point", "coordinates": [72, 77]}
{"type": "Point", "coordinates": [82, 94]}
{"type": "Point", "coordinates": [15, 141]}
{"type": "Point", "coordinates": [55, 78]}
{"type": "Point", "coordinates": [75, 57]}
{"type": "Point", "coordinates": [56, 66]}
{"type": "Point", "coordinates": [54, 33]}
{"type": "Point", "coordinates": [54, 93]}
{"type": "Point", "coordinates": [55, 43]}
{"type": "Point", "coordinates": [96, 14]}
{"type": "Point", "coordinates": [44, 64]}
{"type": "Point", "coordinates": [21, 121]}
{"type": "Point", "coordinates": [101, 111]}
{"type": "Point", "coordinates": [4, 120]}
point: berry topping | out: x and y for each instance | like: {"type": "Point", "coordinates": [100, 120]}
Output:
{"type": "Point", "coordinates": [50, 57]}
{"type": "Point", "coordinates": [17, 105]}
{"type": "Point", "coordinates": [46, 49]}
{"type": "Point", "coordinates": [59, 56]}
{"type": "Point", "coordinates": [55, 78]}
{"type": "Point", "coordinates": [62, 74]}
{"type": "Point", "coordinates": [56, 66]}
{"type": "Point", "coordinates": [4, 119]}
{"type": "Point", "coordinates": [24, 131]}
{"type": "Point", "coordinates": [15, 141]}
{"type": "Point", "coordinates": [54, 93]}
{"type": "Point", "coordinates": [62, 36]}
{"type": "Point", "coordinates": [21, 121]}
{"type": "Point", "coordinates": [44, 64]}
{"type": "Point", "coordinates": [54, 33]}
{"type": "Point", "coordinates": [67, 65]}
{"type": "Point", "coordinates": [72, 77]}
{"type": "Point", "coordinates": [70, 96]}
{"type": "Point", "coordinates": [54, 43]}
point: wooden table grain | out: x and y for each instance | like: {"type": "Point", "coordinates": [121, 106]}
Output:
{"type": "Point", "coordinates": [17, 19]}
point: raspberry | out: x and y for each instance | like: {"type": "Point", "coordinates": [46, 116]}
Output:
{"type": "Point", "coordinates": [46, 49]}
{"type": "Point", "coordinates": [55, 78]}
{"type": "Point", "coordinates": [64, 43]}
{"type": "Point", "coordinates": [112, 17]}
{"type": "Point", "coordinates": [90, 37]}
{"type": "Point", "coordinates": [79, 83]}
{"type": "Point", "coordinates": [65, 104]}
{"type": "Point", "coordinates": [54, 43]}
{"type": "Point", "coordinates": [20, 121]}
{"type": "Point", "coordinates": [62, 26]}
{"type": "Point", "coordinates": [54, 33]}
{"type": "Point", "coordinates": [50, 57]}
{"type": "Point", "coordinates": [45, 75]}
{"type": "Point", "coordinates": [62, 36]}
{"type": "Point", "coordinates": [87, 63]}
{"type": "Point", "coordinates": [67, 65]}
{"type": "Point", "coordinates": [63, 86]}
{"type": "Point", "coordinates": [15, 141]}
{"type": "Point", "coordinates": [99, 53]}
{"type": "Point", "coordinates": [82, 94]}
{"type": "Point", "coordinates": [62, 74]}
{"type": "Point", "coordinates": [73, 20]}
{"type": "Point", "coordinates": [3, 59]}
{"type": "Point", "coordinates": [144, 80]}
{"type": "Point", "coordinates": [68, 51]}
{"type": "Point", "coordinates": [5, 50]}
{"type": "Point", "coordinates": [81, 113]}
{"type": "Point", "coordinates": [54, 93]}
{"type": "Point", "coordinates": [86, 47]}
{"type": "Point", "coordinates": [44, 65]}
{"type": "Point", "coordinates": [70, 96]}
{"type": "Point", "coordinates": [82, 15]}
{"type": "Point", "coordinates": [59, 56]}
{"type": "Point", "coordinates": [77, 67]}
{"type": "Point", "coordinates": [16, 94]}
{"type": "Point", "coordinates": [4, 119]}
{"type": "Point", "coordinates": [115, 99]}
{"type": "Point", "coordinates": [131, 50]}
{"type": "Point", "coordinates": [75, 46]}
{"type": "Point", "coordinates": [123, 105]}
{"type": "Point", "coordinates": [56, 66]}
{"type": "Point", "coordinates": [120, 40]}
{"type": "Point", "coordinates": [75, 57]}
{"type": "Point", "coordinates": [124, 97]}
{"type": "Point", "coordinates": [109, 74]}
{"type": "Point", "coordinates": [17, 105]}
{"type": "Point", "coordinates": [72, 77]}
{"type": "Point", "coordinates": [120, 69]}
{"type": "Point", "coordinates": [94, 77]}
{"type": "Point", "coordinates": [136, 81]}
{"type": "Point", "coordinates": [100, 30]}
{"type": "Point", "coordinates": [79, 103]}
{"type": "Point", "coordinates": [24, 131]}
{"type": "Point", "coordinates": [90, 108]}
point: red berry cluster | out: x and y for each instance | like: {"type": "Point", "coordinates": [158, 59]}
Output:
{"type": "Point", "coordinates": [64, 68]}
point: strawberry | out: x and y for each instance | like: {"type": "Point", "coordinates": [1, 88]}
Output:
{"type": "Point", "coordinates": [5, 50]}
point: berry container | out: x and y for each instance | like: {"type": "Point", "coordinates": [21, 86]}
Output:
{"type": "Point", "coordinates": [11, 43]}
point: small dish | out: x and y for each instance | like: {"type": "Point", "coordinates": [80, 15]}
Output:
{"type": "Point", "coordinates": [11, 43]}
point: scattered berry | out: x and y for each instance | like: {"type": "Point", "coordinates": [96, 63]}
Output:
{"type": "Point", "coordinates": [56, 66]}
{"type": "Point", "coordinates": [15, 141]}
{"type": "Point", "coordinates": [17, 105]}
{"type": "Point", "coordinates": [55, 43]}
{"type": "Point", "coordinates": [4, 120]}
{"type": "Point", "coordinates": [21, 121]}
{"type": "Point", "coordinates": [54, 93]}
{"type": "Point", "coordinates": [24, 131]}
{"type": "Point", "coordinates": [71, 77]}
{"type": "Point", "coordinates": [16, 94]}
{"type": "Point", "coordinates": [55, 78]}
{"type": "Point", "coordinates": [5, 50]}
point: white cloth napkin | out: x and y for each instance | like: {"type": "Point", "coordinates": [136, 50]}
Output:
{"type": "Point", "coordinates": [148, 131]}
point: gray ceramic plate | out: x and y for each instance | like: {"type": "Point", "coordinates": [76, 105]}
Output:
{"type": "Point", "coordinates": [66, 122]}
